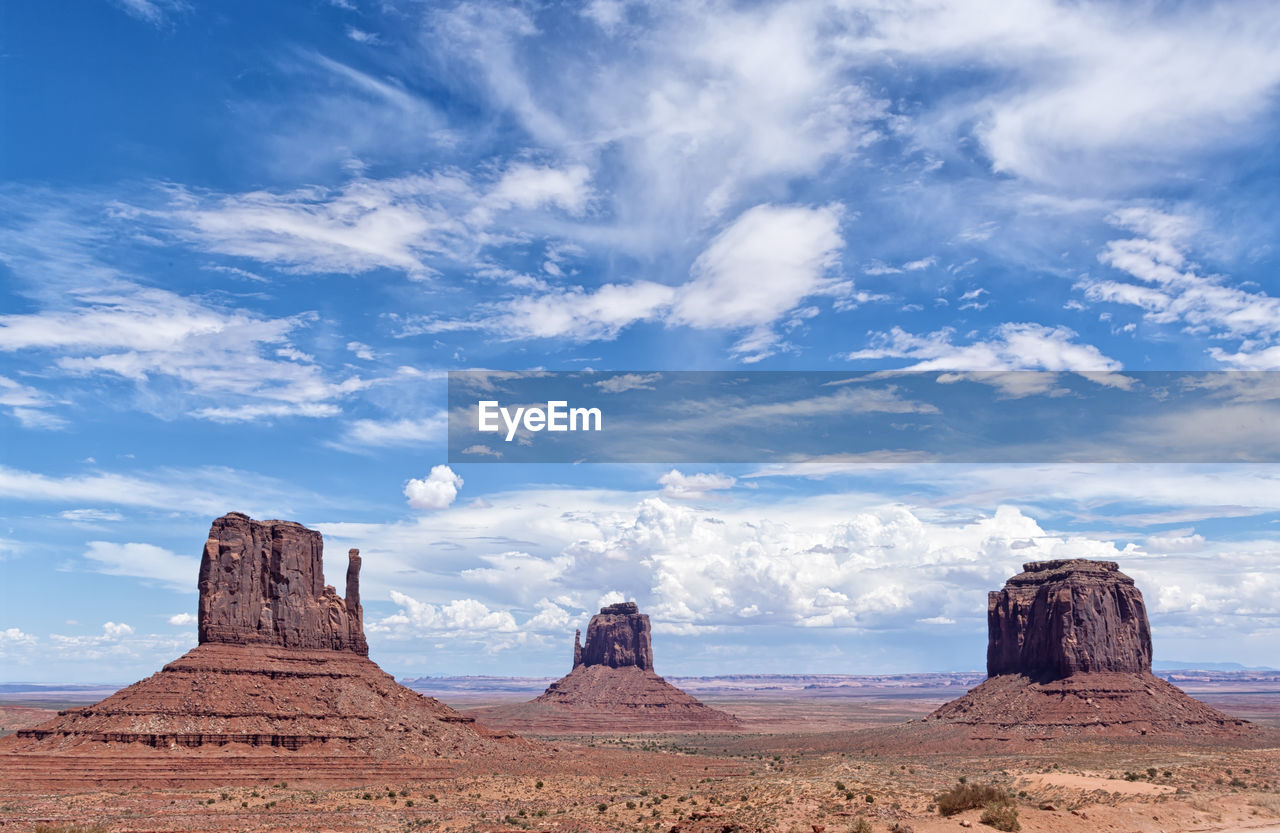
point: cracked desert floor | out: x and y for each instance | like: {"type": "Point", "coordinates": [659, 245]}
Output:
{"type": "Point", "coordinates": [807, 759]}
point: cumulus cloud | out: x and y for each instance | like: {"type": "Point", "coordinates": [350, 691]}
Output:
{"type": "Point", "coordinates": [182, 619]}
{"type": "Point", "coordinates": [680, 486]}
{"type": "Point", "coordinates": [437, 490]}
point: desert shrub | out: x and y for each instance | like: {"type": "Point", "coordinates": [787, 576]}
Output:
{"type": "Point", "coordinates": [860, 825]}
{"type": "Point", "coordinates": [899, 827]}
{"type": "Point", "coordinates": [1001, 815]}
{"type": "Point", "coordinates": [965, 796]}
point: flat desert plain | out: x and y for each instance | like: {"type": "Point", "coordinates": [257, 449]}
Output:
{"type": "Point", "coordinates": [816, 753]}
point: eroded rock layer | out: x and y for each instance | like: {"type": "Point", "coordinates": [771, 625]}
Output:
{"type": "Point", "coordinates": [612, 687]}
{"type": "Point", "coordinates": [1058, 618]}
{"type": "Point", "coordinates": [1069, 653]}
{"type": "Point", "coordinates": [281, 671]}
{"type": "Point", "coordinates": [618, 636]}
{"type": "Point", "coordinates": [262, 583]}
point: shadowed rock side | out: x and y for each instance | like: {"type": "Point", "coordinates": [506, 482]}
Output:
{"type": "Point", "coordinates": [618, 637]}
{"type": "Point", "coordinates": [1059, 618]}
{"type": "Point", "coordinates": [612, 687]}
{"type": "Point", "coordinates": [281, 671]}
{"type": "Point", "coordinates": [1069, 653]}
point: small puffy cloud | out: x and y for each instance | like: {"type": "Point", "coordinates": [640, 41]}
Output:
{"type": "Point", "coordinates": [437, 491]}
{"type": "Point", "coordinates": [613, 597]}
{"type": "Point", "coordinates": [182, 619]}
{"type": "Point", "coordinates": [116, 630]}
{"type": "Point", "coordinates": [361, 36]}
{"type": "Point", "coordinates": [676, 484]}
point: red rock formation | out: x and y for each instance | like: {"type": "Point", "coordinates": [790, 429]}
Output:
{"type": "Point", "coordinates": [262, 583]}
{"type": "Point", "coordinates": [1059, 618]}
{"type": "Point", "coordinates": [281, 669]}
{"type": "Point", "coordinates": [612, 687]}
{"type": "Point", "coordinates": [1069, 653]}
{"type": "Point", "coordinates": [618, 636]}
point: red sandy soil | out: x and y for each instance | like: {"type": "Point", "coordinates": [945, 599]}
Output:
{"type": "Point", "coordinates": [1097, 704]}
{"type": "Point", "coordinates": [801, 759]}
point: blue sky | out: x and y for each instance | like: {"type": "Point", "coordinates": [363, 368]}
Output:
{"type": "Point", "coordinates": [241, 245]}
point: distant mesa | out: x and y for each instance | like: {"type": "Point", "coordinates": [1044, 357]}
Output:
{"type": "Point", "coordinates": [1069, 653]}
{"type": "Point", "coordinates": [612, 687]}
{"type": "Point", "coordinates": [279, 683]}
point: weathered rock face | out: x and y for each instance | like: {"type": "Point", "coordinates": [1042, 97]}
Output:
{"type": "Point", "coordinates": [618, 636]}
{"type": "Point", "coordinates": [1059, 618]}
{"type": "Point", "coordinates": [612, 687]}
{"type": "Point", "coordinates": [282, 668]}
{"type": "Point", "coordinates": [262, 583]}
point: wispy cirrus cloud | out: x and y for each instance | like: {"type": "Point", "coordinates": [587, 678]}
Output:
{"type": "Point", "coordinates": [753, 274]}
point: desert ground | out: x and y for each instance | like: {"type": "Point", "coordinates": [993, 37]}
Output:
{"type": "Point", "coordinates": [813, 755]}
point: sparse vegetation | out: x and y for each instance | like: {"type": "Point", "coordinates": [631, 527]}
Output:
{"type": "Point", "coordinates": [1002, 815]}
{"type": "Point", "coordinates": [964, 796]}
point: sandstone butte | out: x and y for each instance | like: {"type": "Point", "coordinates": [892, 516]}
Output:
{"type": "Point", "coordinates": [280, 683]}
{"type": "Point", "coordinates": [612, 687]}
{"type": "Point", "coordinates": [1069, 654]}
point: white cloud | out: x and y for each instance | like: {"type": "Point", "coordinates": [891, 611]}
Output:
{"type": "Point", "coordinates": [372, 433]}
{"type": "Point", "coordinates": [113, 630]}
{"type": "Point", "coordinates": [437, 491]}
{"type": "Point", "coordinates": [401, 223]}
{"type": "Point", "coordinates": [361, 36]}
{"type": "Point", "coordinates": [153, 337]}
{"type": "Point", "coordinates": [753, 274]}
{"type": "Point", "coordinates": [767, 261]}
{"type": "Point", "coordinates": [90, 516]}
{"type": "Point", "coordinates": [155, 12]}
{"type": "Point", "coordinates": [628, 381]}
{"type": "Point", "coordinates": [27, 405]}
{"type": "Point", "coordinates": [1011, 347]}
{"type": "Point", "coordinates": [145, 561]}
{"type": "Point", "coordinates": [1173, 290]}
{"type": "Point", "coordinates": [182, 619]}
{"type": "Point", "coordinates": [208, 490]}
{"type": "Point", "coordinates": [465, 618]}
{"type": "Point", "coordinates": [681, 486]}
{"type": "Point", "coordinates": [11, 638]}
{"type": "Point", "coordinates": [1175, 541]}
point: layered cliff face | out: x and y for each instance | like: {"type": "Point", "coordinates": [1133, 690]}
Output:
{"type": "Point", "coordinates": [618, 636]}
{"type": "Point", "coordinates": [1058, 618]}
{"type": "Point", "coordinates": [1069, 653]}
{"type": "Point", "coordinates": [612, 687]}
{"type": "Point", "coordinates": [281, 669]}
{"type": "Point", "coordinates": [262, 583]}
